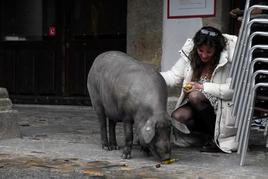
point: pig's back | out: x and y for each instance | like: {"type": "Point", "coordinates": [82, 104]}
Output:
{"type": "Point", "coordinates": [124, 85]}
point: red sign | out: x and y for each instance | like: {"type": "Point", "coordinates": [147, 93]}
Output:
{"type": "Point", "coordinates": [51, 30]}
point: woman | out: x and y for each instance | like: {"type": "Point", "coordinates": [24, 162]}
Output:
{"type": "Point", "coordinates": [205, 107]}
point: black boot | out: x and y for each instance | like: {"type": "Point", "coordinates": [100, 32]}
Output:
{"type": "Point", "coordinates": [210, 146]}
{"type": "Point", "coordinates": [194, 139]}
{"type": "Point", "coordinates": [207, 121]}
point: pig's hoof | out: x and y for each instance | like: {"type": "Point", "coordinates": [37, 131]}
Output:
{"type": "Point", "coordinates": [114, 147]}
{"type": "Point", "coordinates": [126, 156]}
{"type": "Point", "coordinates": [110, 147]}
{"type": "Point", "coordinates": [105, 147]}
{"type": "Point", "coordinates": [146, 151]}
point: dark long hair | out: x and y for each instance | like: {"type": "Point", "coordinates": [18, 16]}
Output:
{"type": "Point", "coordinates": [211, 37]}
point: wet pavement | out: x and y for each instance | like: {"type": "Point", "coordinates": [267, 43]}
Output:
{"type": "Point", "coordinates": [64, 142]}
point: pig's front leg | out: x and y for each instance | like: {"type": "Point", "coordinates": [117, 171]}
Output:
{"type": "Point", "coordinates": [128, 130]}
{"type": "Point", "coordinates": [112, 135]}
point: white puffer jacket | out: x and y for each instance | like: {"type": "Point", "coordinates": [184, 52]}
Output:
{"type": "Point", "coordinates": [218, 86]}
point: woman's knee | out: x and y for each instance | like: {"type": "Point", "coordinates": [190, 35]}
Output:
{"type": "Point", "coordinates": [181, 114]}
{"type": "Point", "coordinates": [197, 99]}
{"type": "Point", "coordinates": [175, 115]}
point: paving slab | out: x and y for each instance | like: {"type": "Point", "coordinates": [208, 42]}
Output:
{"type": "Point", "coordinates": [64, 142]}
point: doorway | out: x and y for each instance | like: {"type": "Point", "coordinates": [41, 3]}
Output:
{"type": "Point", "coordinates": [48, 46]}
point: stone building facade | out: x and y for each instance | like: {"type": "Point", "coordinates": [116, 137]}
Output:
{"type": "Point", "coordinates": [145, 27]}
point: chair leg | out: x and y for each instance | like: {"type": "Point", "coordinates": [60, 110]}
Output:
{"type": "Point", "coordinates": [244, 142]}
{"type": "Point", "coordinates": [265, 132]}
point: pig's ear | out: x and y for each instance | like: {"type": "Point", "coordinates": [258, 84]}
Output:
{"type": "Point", "coordinates": [180, 126]}
{"type": "Point", "coordinates": [148, 131]}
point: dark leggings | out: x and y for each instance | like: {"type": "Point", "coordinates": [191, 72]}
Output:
{"type": "Point", "coordinates": [198, 114]}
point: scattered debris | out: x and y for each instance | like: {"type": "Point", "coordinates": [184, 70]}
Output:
{"type": "Point", "coordinates": [158, 165]}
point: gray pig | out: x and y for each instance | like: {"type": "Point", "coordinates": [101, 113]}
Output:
{"type": "Point", "coordinates": [122, 89]}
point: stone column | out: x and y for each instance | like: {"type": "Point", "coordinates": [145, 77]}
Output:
{"type": "Point", "coordinates": [144, 31]}
{"type": "Point", "coordinates": [8, 117]}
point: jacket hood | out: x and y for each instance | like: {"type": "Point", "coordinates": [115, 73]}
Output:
{"type": "Point", "coordinates": [230, 46]}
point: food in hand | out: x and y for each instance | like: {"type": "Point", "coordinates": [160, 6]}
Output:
{"type": "Point", "coordinates": [187, 86]}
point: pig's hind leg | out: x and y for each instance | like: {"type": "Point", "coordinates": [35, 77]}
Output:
{"type": "Point", "coordinates": [97, 105]}
{"type": "Point", "coordinates": [103, 130]}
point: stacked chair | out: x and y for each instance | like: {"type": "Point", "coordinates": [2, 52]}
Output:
{"type": "Point", "coordinates": [249, 73]}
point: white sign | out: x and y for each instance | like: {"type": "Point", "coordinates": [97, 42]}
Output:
{"type": "Point", "coordinates": [190, 8]}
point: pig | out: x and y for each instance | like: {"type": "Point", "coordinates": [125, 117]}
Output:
{"type": "Point", "coordinates": [125, 90]}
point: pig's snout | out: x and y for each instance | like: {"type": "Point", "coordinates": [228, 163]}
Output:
{"type": "Point", "coordinates": [161, 153]}
{"type": "Point", "coordinates": [165, 157]}
{"type": "Point", "coordinates": [161, 144]}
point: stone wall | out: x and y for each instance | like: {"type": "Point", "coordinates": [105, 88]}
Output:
{"type": "Point", "coordinates": [144, 30]}
{"type": "Point", "coordinates": [222, 18]}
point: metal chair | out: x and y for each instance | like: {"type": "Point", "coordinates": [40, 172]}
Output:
{"type": "Point", "coordinates": [246, 127]}
{"type": "Point", "coordinates": [238, 80]}
{"type": "Point", "coordinates": [240, 40]}
{"type": "Point", "coordinates": [242, 36]}
{"type": "Point", "coordinates": [242, 73]}
{"type": "Point", "coordinates": [243, 107]}
{"type": "Point", "coordinates": [244, 78]}
{"type": "Point", "coordinates": [240, 95]}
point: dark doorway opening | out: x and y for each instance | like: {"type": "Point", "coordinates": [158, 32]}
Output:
{"type": "Point", "coordinates": [48, 46]}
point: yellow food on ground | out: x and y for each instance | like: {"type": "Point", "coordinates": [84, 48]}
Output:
{"type": "Point", "coordinates": [169, 161]}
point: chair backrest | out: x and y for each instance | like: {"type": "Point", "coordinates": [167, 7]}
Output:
{"type": "Point", "coordinates": [243, 36]}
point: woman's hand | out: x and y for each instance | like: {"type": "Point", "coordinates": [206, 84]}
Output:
{"type": "Point", "coordinates": [192, 86]}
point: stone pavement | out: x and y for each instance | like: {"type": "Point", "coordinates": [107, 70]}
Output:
{"type": "Point", "coordinates": [64, 142]}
